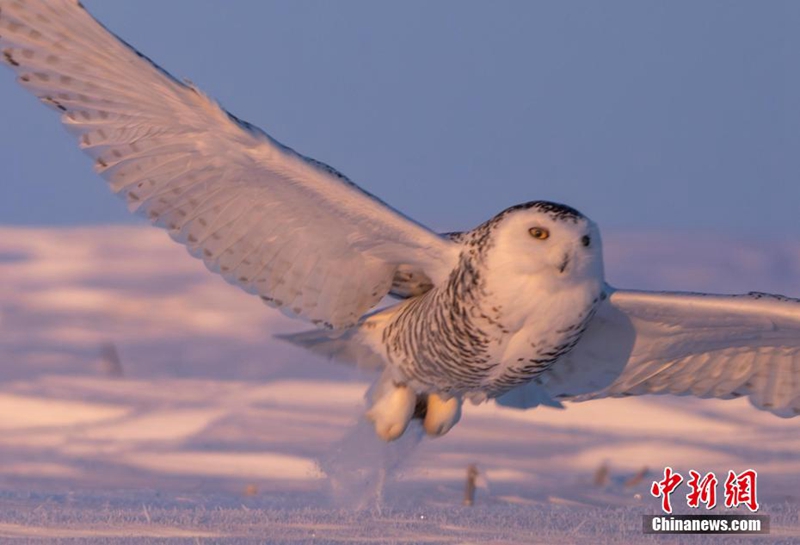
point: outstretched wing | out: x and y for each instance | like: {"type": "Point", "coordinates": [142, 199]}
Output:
{"type": "Point", "coordinates": [278, 224]}
{"type": "Point", "coordinates": [710, 346]}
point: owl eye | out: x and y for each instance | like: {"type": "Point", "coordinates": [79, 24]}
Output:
{"type": "Point", "coordinates": [539, 233]}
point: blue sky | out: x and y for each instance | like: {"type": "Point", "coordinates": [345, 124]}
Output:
{"type": "Point", "coordinates": [678, 116]}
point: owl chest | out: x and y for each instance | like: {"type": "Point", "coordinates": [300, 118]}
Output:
{"type": "Point", "coordinates": [482, 346]}
{"type": "Point", "coordinates": [538, 344]}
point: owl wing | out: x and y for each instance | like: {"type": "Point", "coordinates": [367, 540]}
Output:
{"type": "Point", "coordinates": [709, 346]}
{"type": "Point", "coordinates": [410, 281]}
{"type": "Point", "coordinates": [278, 224]}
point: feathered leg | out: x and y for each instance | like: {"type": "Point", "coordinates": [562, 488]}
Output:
{"type": "Point", "coordinates": [441, 414]}
{"type": "Point", "coordinates": [392, 408]}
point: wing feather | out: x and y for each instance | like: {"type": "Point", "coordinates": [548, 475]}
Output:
{"type": "Point", "coordinates": [278, 224]}
{"type": "Point", "coordinates": [710, 346]}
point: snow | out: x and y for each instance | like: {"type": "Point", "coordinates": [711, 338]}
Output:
{"type": "Point", "coordinates": [216, 432]}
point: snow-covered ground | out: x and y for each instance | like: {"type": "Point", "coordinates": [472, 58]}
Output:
{"type": "Point", "coordinates": [215, 431]}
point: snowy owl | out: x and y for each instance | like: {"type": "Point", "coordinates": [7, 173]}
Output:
{"type": "Point", "coordinates": [516, 310]}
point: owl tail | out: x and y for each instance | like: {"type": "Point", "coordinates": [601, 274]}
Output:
{"type": "Point", "coordinates": [343, 346]}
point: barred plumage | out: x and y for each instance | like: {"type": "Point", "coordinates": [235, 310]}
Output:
{"type": "Point", "coordinates": [452, 339]}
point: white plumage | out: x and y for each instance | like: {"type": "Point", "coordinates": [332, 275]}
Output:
{"type": "Point", "coordinates": [522, 317]}
{"type": "Point", "coordinates": [263, 216]}
{"type": "Point", "coordinates": [710, 346]}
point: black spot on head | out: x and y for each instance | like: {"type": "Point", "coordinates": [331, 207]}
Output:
{"type": "Point", "coordinates": [558, 212]}
{"type": "Point", "coordinates": [554, 210]}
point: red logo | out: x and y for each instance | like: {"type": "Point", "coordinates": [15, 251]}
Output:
{"type": "Point", "coordinates": [666, 487]}
{"type": "Point", "coordinates": [739, 489]}
{"type": "Point", "coordinates": [703, 490]}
